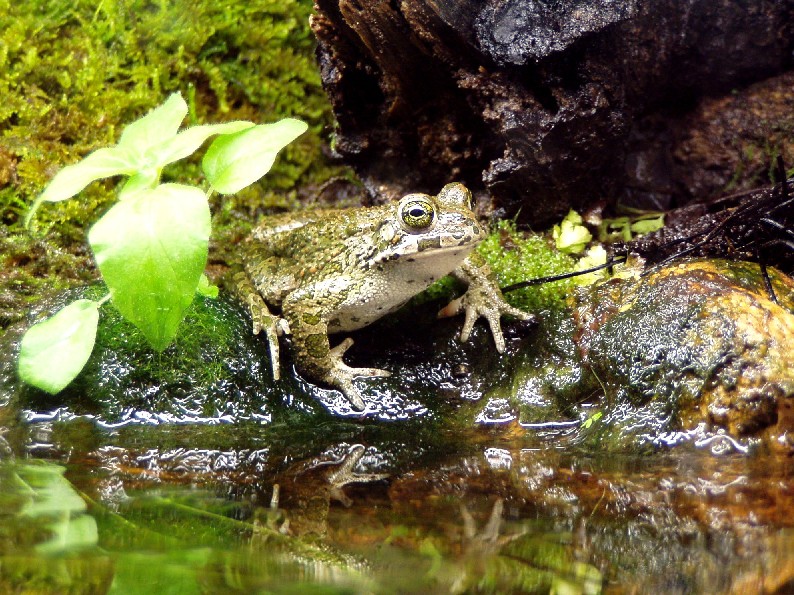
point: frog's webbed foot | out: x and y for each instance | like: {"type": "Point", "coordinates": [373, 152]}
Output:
{"type": "Point", "coordinates": [340, 375]}
{"type": "Point", "coordinates": [492, 308]}
{"type": "Point", "coordinates": [482, 299]}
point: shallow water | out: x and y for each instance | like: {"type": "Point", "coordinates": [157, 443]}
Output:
{"type": "Point", "coordinates": [381, 508]}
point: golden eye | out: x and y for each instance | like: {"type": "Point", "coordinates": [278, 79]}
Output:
{"type": "Point", "coordinates": [417, 213]}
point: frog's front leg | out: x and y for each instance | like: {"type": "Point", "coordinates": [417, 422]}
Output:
{"type": "Point", "coordinates": [314, 356]}
{"type": "Point", "coordinates": [263, 319]}
{"type": "Point", "coordinates": [483, 298]}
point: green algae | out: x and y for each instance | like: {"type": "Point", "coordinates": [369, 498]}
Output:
{"type": "Point", "coordinates": [517, 256]}
{"type": "Point", "coordinates": [74, 73]}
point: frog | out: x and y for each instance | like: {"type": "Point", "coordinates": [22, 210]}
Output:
{"type": "Point", "coordinates": [322, 272]}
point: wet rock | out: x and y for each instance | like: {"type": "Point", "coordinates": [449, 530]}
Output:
{"type": "Point", "coordinates": [693, 346]}
{"type": "Point", "coordinates": [534, 102]}
{"type": "Point", "coordinates": [521, 32]}
{"type": "Point", "coordinates": [211, 373]}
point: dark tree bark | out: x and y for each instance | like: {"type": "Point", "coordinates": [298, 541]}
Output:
{"type": "Point", "coordinates": [537, 103]}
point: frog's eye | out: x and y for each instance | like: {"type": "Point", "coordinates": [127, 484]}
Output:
{"type": "Point", "coordinates": [417, 213]}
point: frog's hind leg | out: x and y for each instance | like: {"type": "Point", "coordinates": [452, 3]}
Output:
{"type": "Point", "coordinates": [315, 358]}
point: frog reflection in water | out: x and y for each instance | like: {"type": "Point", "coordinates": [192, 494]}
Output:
{"type": "Point", "coordinates": [331, 271]}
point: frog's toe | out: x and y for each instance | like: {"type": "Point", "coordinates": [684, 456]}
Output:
{"type": "Point", "coordinates": [270, 326]}
{"type": "Point", "coordinates": [468, 323]}
{"type": "Point", "coordinates": [496, 330]}
{"type": "Point", "coordinates": [345, 384]}
{"type": "Point", "coordinates": [516, 313]}
{"type": "Point", "coordinates": [341, 375]}
{"type": "Point", "coordinates": [275, 360]}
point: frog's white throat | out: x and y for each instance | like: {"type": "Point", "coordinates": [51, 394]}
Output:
{"type": "Point", "coordinates": [391, 283]}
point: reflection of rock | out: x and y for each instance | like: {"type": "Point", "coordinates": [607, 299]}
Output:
{"type": "Point", "coordinates": [693, 343]}
{"type": "Point", "coordinates": [651, 524]}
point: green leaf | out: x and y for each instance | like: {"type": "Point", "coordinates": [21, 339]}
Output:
{"type": "Point", "coordinates": [206, 289]}
{"type": "Point", "coordinates": [235, 161]}
{"type": "Point", "coordinates": [143, 179]}
{"type": "Point", "coordinates": [54, 351]}
{"type": "Point", "coordinates": [570, 236]}
{"type": "Point", "coordinates": [155, 128]}
{"type": "Point", "coordinates": [648, 225]}
{"type": "Point", "coordinates": [102, 163]}
{"type": "Point", "coordinates": [595, 256]}
{"type": "Point", "coordinates": [151, 251]}
{"type": "Point", "coordinates": [188, 141]}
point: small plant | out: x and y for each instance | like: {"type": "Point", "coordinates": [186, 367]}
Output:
{"type": "Point", "coordinates": [151, 246]}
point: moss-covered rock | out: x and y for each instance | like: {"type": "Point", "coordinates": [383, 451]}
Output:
{"type": "Point", "coordinates": [693, 347]}
{"type": "Point", "coordinates": [209, 373]}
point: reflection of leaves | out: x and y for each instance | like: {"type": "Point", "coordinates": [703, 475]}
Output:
{"type": "Point", "coordinates": [174, 572]}
{"type": "Point", "coordinates": [52, 500]}
{"type": "Point", "coordinates": [545, 559]}
{"type": "Point", "coordinates": [192, 530]}
{"type": "Point", "coordinates": [70, 534]}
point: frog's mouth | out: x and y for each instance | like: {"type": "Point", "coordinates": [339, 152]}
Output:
{"type": "Point", "coordinates": [459, 240]}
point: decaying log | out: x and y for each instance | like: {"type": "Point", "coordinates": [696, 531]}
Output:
{"type": "Point", "coordinates": [534, 102]}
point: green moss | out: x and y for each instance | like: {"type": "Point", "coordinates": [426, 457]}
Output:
{"type": "Point", "coordinates": [75, 73]}
{"type": "Point", "coordinates": [518, 256]}
{"type": "Point", "coordinates": [29, 267]}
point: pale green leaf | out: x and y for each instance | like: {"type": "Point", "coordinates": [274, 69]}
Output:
{"type": "Point", "coordinates": [206, 289]}
{"type": "Point", "coordinates": [54, 351]}
{"type": "Point", "coordinates": [570, 238]}
{"type": "Point", "coordinates": [143, 179]}
{"type": "Point", "coordinates": [156, 127]}
{"type": "Point", "coordinates": [595, 256]}
{"type": "Point", "coordinates": [648, 225]}
{"type": "Point", "coordinates": [188, 141]}
{"type": "Point", "coordinates": [235, 161]}
{"type": "Point", "coordinates": [102, 163]}
{"type": "Point", "coordinates": [151, 251]}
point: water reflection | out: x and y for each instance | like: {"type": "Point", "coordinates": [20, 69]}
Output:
{"type": "Point", "coordinates": [241, 509]}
